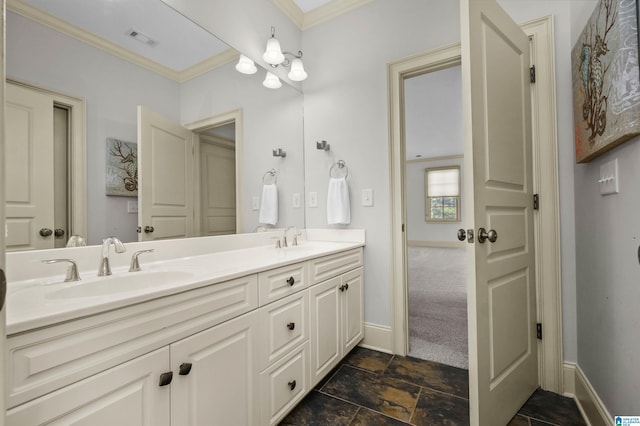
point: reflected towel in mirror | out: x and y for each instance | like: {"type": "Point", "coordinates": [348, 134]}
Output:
{"type": "Point", "coordinates": [269, 205]}
{"type": "Point", "coordinates": [338, 208]}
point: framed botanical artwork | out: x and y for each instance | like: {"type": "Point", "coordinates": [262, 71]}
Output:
{"type": "Point", "coordinates": [606, 79]}
{"type": "Point", "coordinates": [122, 168]}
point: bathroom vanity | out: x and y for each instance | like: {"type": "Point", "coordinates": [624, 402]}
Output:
{"type": "Point", "coordinates": [233, 337]}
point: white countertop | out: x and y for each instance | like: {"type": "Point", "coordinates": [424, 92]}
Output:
{"type": "Point", "coordinates": [41, 302]}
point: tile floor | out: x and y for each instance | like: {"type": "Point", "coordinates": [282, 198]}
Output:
{"type": "Point", "coordinates": [374, 388]}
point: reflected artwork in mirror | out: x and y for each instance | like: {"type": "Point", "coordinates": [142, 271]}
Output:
{"type": "Point", "coordinates": [143, 53]}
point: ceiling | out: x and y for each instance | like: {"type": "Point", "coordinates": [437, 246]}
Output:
{"type": "Point", "coordinates": [180, 49]}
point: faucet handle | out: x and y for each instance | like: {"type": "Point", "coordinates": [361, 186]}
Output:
{"type": "Point", "coordinates": [72, 270]}
{"type": "Point", "coordinates": [135, 265]}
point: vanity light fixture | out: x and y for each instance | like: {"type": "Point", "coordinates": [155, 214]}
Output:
{"type": "Point", "coordinates": [246, 65]}
{"type": "Point", "coordinates": [272, 81]}
{"type": "Point", "coordinates": [274, 56]}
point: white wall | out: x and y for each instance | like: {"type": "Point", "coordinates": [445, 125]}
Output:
{"type": "Point", "coordinates": [433, 128]}
{"type": "Point", "coordinates": [271, 119]}
{"type": "Point", "coordinates": [418, 230]}
{"type": "Point", "coordinates": [112, 89]}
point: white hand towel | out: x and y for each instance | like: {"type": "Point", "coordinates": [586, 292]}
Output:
{"type": "Point", "coordinates": [338, 208]}
{"type": "Point", "coordinates": [269, 205]}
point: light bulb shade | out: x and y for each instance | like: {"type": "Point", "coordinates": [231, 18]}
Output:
{"type": "Point", "coordinates": [297, 72]}
{"type": "Point", "coordinates": [272, 81]}
{"type": "Point", "coordinates": [246, 65]}
{"type": "Point", "coordinates": [273, 54]}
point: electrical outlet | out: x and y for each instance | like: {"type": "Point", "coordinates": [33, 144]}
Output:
{"type": "Point", "coordinates": [313, 199]}
{"type": "Point", "coordinates": [609, 177]}
{"type": "Point", "coordinates": [132, 206]}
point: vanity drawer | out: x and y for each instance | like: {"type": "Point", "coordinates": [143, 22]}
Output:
{"type": "Point", "coordinates": [281, 282]}
{"type": "Point", "coordinates": [335, 264]}
{"type": "Point", "coordinates": [283, 326]}
{"type": "Point", "coordinates": [46, 359]}
{"type": "Point", "coordinates": [283, 385]}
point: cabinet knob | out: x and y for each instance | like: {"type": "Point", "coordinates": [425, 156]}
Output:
{"type": "Point", "coordinates": [185, 368]}
{"type": "Point", "coordinates": [291, 281]}
{"type": "Point", "coordinates": [291, 325]}
{"type": "Point", "coordinates": [341, 288]}
{"type": "Point", "coordinates": [292, 384]}
{"type": "Point", "coordinates": [165, 378]}
{"type": "Point", "coordinates": [346, 286]}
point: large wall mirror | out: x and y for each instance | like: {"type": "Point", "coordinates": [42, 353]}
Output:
{"type": "Point", "coordinates": [105, 62]}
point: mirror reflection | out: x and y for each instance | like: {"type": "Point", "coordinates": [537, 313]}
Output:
{"type": "Point", "coordinates": [95, 69]}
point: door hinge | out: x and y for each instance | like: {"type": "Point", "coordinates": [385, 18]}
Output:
{"type": "Point", "coordinates": [532, 74]}
{"type": "Point", "coordinates": [539, 331]}
{"type": "Point", "coordinates": [403, 227]}
{"type": "Point", "coordinates": [536, 201]}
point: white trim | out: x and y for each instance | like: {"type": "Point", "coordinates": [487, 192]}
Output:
{"type": "Point", "coordinates": [41, 17]}
{"type": "Point", "coordinates": [589, 403]}
{"type": "Point", "coordinates": [378, 338]}
{"type": "Point", "coordinates": [440, 244]}
{"type": "Point", "coordinates": [214, 121]}
{"type": "Point", "coordinates": [548, 279]}
{"type": "Point", "coordinates": [326, 12]}
{"type": "Point", "coordinates": [547, 218]}
{"type": "Point", "coordinates": [77, 155]}
{"type": "Point", "coordinates": [434, 159]}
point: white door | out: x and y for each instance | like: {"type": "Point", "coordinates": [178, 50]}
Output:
{"type": "Point", "coordinates": [501, 275]}
{"type": "Point", "coordinates": [28, 159]}
{"type": "Point", "coordinates": [165, 178]}
{"type": "Point", "coordinates": [218, 189]}
{"type": "Point", "coordinates": [3, 283]}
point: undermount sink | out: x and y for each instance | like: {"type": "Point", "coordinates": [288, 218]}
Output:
{"type": "Point", "coordinates": [130, 282]}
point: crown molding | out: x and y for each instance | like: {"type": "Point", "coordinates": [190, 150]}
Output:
{"type": "Point", "coordinates": [291, 11]}
{"type": "Point", "coordinates": [330, 10]}
{"type": "Point", "coordinates": [41, 17]}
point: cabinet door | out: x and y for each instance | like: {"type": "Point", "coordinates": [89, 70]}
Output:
{"type": "Point", "coordinates": [352, 309]}
{"type": "Point", "coordinates": [222, 385]}
{"type": "Point", "coordinates": [324, 300]}
{"type": "Point", "coordinates": [126, 395]}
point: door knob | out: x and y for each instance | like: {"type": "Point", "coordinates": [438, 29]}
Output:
{"type": "Point", "coordinates": [462, 234]}
{"type": "Point", "coordinates": [483, 235]}
{"type": "Point", "coordinates": [45, 232]}
{"type": "Point", "coordinates": [58, 232]}
{"type": "Point", "coordinates": [148, 229]}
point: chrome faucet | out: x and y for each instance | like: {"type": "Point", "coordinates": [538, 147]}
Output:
{"type": "Point", "coordinates": [104, 269]}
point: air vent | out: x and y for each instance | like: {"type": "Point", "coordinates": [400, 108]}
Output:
{"type": "Point", "coordinates": [142, 38]}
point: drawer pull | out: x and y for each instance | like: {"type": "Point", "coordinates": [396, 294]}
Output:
{"type": "Point", "coordinates": [343, 287]}
{"type": "Point", "coordinates": [291, 325]}
{"type": "Point", "coordinates": [185, 368]}
{"type": "Point", "coordinates": [292, 385]}
{"type": "Point", "coordinates": [346, 286]}
{"type": "Point", "coordinates": [291, 281]}
{"type": "Point", "coordinates": [165, 378]}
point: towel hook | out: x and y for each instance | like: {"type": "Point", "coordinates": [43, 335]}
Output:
{"type": "Point", "coordinates": [279, 152]}
{"type": "Point", "coordinates": [323, 145]}
{"type": "Point", "coordinates": [272, 173]}
{"type": "Point", "coordinates": [341, 165]}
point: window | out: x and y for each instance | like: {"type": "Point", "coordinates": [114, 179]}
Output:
{"type": "Point", "coordinates": [442, 187]}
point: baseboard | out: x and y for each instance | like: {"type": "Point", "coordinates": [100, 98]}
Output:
{"type": "Point", "coordinates": [444, 244]}
{"type": "Point", "coordinates": [577, 385]}
{"type": "Point", "coordinates": [377, 337]}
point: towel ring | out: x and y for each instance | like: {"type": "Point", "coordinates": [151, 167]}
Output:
{"type": "Point", "coordinates": [341, 166]}
{"type": "Point", "coordinates": [271, 173]}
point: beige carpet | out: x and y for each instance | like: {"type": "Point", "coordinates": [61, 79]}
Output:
{"type": "Point", "coordinates": [438, 305]}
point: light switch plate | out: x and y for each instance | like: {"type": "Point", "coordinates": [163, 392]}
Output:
{"type": "Point", "coordinates": [367, 197]}
{"type": "Point", "coordinates": [313, 199]}
{"type": "Point", "coordinates": [255, 203]}
{"type": "Point", "coordinates": [609, 177]}
{"type": "Point", "coordinates": [132, 206]}
{"type": "Point", "coordinates": [296, 200]}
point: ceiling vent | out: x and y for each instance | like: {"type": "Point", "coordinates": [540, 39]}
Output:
{"type": "Point", "coordinates": [142, 38]}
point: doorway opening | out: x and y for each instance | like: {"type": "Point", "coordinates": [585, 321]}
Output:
{"type": "Point", "coordinates": [436, 260]}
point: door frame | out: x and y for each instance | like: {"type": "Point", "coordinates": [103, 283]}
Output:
{"type": "Point", "coordinates": [545, 165]}
{"type": "Point", "coordinates": [77, 148]}
{"type": "Point", "coordinates": [200, 126]}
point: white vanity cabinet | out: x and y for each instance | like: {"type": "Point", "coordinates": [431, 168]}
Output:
{"type": "Point", "coordinates": [337, 314]}
{"type": "Point", "coordinates": [239, 352]}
